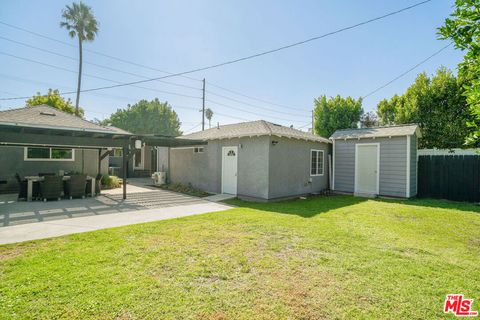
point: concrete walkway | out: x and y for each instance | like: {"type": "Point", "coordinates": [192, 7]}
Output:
{"type": "Point", "coordinates": [220, 197]}
{"type": "Point", "coordinates": [55, 228]}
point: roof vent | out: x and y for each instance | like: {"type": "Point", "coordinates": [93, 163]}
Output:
{"type": "Point", "coordinates": [47, 113]}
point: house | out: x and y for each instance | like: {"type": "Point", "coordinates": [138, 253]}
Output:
{"type": "Point", "coordinates": [35, 159]}
{"type": "Point", "coordinates": [142, 164]}
{"type": "Point", "coordinates": [376, 161]}
{"type": "Point", "coordinates": [253, 160]}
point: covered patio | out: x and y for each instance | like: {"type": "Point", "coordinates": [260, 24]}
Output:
{"type": "Point", "coordinates": [141, 196]}
{"type": "Point", "coordinates": [102, 139]}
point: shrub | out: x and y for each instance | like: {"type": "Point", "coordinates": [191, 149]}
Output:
{"type": "Point", "coordinates": [110, 182]}
{"type": "Point", "coordinates": [187, 189]}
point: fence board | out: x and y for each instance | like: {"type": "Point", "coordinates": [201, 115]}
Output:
{"type": "Point", "coordinates": [449, 177]}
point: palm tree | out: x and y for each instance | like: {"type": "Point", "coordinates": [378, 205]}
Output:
{"type": "Point", "coordinates": [209, 115]}
{"type": "Point", "coordinates": [81, 23]}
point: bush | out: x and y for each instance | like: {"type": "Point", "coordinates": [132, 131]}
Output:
{"type": "Point", "coordinates": [110, 182]}
{"type": "Point", "coordinates": [187, 189]}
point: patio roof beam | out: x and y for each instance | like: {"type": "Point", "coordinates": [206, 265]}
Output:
{"type": "Point", "coordinates": [25, 139]}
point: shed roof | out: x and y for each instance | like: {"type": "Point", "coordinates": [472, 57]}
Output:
{"type": "Point", "coordinates": [253, 129]}
{"type": "Point", "coordinates": [45, 116]}
{"type": "Point", "coordinates": [376, 132]}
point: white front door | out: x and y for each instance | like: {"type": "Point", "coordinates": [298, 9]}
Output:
{"type": "Point", "coordinates": [367, 160]}
{"type": "Point", "coordinates": [229, 170]}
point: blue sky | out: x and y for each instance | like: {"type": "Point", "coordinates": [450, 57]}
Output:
{"type": "Point", "coordinates": [179, 35]}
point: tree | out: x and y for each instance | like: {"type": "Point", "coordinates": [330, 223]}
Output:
{"type": "Point", "coordinates": [55, 100]}
{"type": "Point", "coordinates": [437, 104]}
{"type": "Point", "coordinates": [386, 110]}
{"type": "Point", "coordinates": [369, 119]}
{"type": "Point", "coordinates": [463, 27]}
{"type": "Point", "coordinates": [336, 113]}
{"type": "Point", "coordinates": [146, 117]}
{"type": "Point", "coordinates": [209, 115]}
{"type": "Point", "coordinates": [81, 23]}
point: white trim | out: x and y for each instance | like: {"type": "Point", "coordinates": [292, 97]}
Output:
{"type": "Point", "coordinates": [25, 154]}
{"type": "Point", "coordinates": [371, 137]}
{"type": "Point", "coordinates": [448, 152]}
{"type": "Point", "coordinates": [314, 139]}
{"type": "Point", "coordinates": [236, 155]}
{"type": "Point", "coordinates": [190, 147]}
{"type": "Point", "coordinates": [323, 163]}
{"type": "Point", "coordinates": [356, 165]}
{"type": "Point", "coordinates": [333, 165]}
{"type": "Point", "coordinates": [407, 191]}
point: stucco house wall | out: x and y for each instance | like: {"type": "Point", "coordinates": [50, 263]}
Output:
{"type": "Point", "coordinates": [393, 165]}
{"type": "Point", "coordinates": [265, 171]}
{"type": "Point", "coordinates": [289, 168]}
{"type": "Point", "coordinates": [204, 170]}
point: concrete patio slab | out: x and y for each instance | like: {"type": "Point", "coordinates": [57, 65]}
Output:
{"type": "Point", "coordinates": [220, 197]}
{"type": "Point", "coordinates": [55, 228]}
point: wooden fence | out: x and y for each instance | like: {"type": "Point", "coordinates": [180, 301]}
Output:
{"type": "Point", "coordinates": [452, 177]}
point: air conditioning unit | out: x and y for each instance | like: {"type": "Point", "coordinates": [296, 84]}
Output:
{"type": "Point", "coordinates": [159, 178]}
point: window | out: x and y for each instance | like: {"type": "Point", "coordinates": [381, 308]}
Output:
{"type": "Point", "coordinates": [117, 152]}
{"type": "Point", "coordinates": [231, 153]}
{"type": "Point", "coordinates": [61, 153]}
{"type": "Point", "coordinates": [316, 165]}
{"type": "Point", "coordinates": [49, 154]}
{"type": "Point", "coordinates": [198, 150]}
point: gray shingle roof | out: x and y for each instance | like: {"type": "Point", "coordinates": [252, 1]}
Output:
{"type": "Point", "coordinates": [391, 131]}
{"type": "Point", "coordinates": [253, 129]}
{"type": "Point", "coordinates": [46, 116]}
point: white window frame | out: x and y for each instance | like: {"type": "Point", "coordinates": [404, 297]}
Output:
{"type": "Point", "coordinates": [323, 162]}
{"type": "Point", "coordinates": [198, 149]}
{"type": "Point", "coordinates": [26, 158]}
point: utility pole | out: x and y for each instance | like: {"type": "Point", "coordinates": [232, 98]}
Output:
{"type": "Point", "coordinates": [313, 132]}
{"type": "Point", "coordinates": [203, 106]}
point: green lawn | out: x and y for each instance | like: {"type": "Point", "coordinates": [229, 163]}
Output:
{"type": "Point", "coordinates": [327, 257]}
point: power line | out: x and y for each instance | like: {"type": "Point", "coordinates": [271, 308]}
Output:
{"type": "Point", "coordinates": [93, 64]}
{"type": "Point", "coordinates": [256, 106]}
{"type": "Point", "coordinates": [253, 98]}
{"type": "Point", "coordinates": [193, 128]}
{"type": "Point", "coordinates": [253, 55]}
{"type": "Point", "coordinates": [87, 75]}
{"type": "Point", "coordinates": [167, 92]}
{"type": "Point", "coordinates": [247, 111]}
{"type": "Point", "coordinates": [130, 73]}
{"type": "Point", "coordinates": [408, 71]}
{"type": "Point", "coordinates": [141, 76]}
{"type": "Point", "coordinates": [90, 50]}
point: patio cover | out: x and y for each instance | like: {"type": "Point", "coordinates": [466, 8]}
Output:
{"type": "Point", "coordinates": [22, 134]}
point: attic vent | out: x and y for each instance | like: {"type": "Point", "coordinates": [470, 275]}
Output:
{"type": "Point", "coordinates": [46, 113]}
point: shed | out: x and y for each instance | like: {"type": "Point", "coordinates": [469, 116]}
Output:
{"type": "Point", "coordinates": [376, 161]}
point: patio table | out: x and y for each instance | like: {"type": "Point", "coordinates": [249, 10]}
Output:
{"type": "Point", "coordinates": [32, 179]}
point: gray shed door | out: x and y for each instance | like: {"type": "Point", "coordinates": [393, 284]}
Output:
{"type": "Point", "coordinates": [367, 168]}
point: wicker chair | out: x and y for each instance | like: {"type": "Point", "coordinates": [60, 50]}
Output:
{"type": "Point", "coordinates": [22, 192]}
{"type": "Point", "coordinates": [51, 188]}
{"type": "Point", "coordinates": [75, 186]}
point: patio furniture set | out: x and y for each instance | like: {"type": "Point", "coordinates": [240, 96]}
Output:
{"type": "Point", "coordinates": [46, 186]}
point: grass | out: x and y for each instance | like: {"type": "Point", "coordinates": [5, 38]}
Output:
{"type": "Point", "coordinates": [325, 257]}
